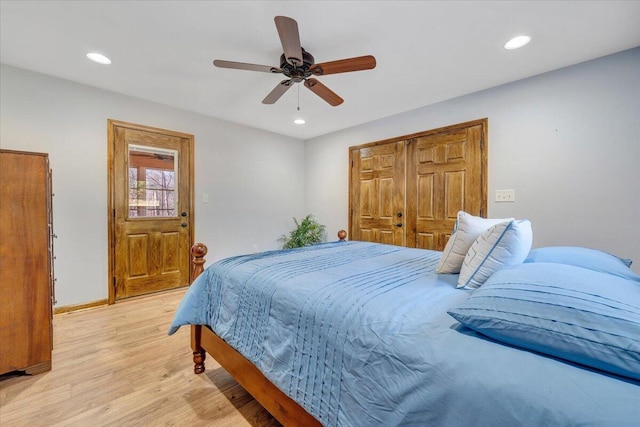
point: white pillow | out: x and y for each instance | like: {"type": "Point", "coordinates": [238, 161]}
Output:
{"type": "Point", "coordinates": [503, 245]}
{"type": "Point", "coordinates": [466, 230]}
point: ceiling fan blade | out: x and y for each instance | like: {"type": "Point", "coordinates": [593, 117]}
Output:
{"type": "Point", "coordinates": [278, 91]}
{"type": "Point", "coordinates": [344, 65]}
{"type": "Point", "coordinates": [290, 38]}
{"type": "Point", "coordinates": [323, 92]}
{"type": "Point", "coordinates": [244, 66]}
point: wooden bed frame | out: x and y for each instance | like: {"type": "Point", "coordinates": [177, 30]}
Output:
{"type": "Point", "coordinates": [204, 340]}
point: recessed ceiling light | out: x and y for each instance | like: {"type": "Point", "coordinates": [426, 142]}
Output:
{"type": "Point", "coordinates": [99, 58]}
{"type": "Point", "coordinates": [299, 121]}
{"type": "Point", "coordinates": [517, 42]}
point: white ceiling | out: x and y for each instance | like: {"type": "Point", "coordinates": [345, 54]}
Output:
{"type": "Point", "coordinates": [426, 51]}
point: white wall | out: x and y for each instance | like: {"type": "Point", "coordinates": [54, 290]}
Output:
{"type": "Point", "coordinates": [254, 178]}
{"type": "Point", "coordinates": [567, 141]}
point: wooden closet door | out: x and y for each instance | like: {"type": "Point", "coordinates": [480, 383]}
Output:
{"type": "Point", "coordinates": [408, 190]}
{"type": "Point", "coordinates": [377, 193]}
{"type": "Point", "coordinates": [445, 174]}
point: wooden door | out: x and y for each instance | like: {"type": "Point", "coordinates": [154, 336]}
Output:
{"type": "Point", "coordinates": [377, 193]}
{"type": "Point", "coordinates": [446, 173]}
{"type": "Point", "coordinates": [151, 193]}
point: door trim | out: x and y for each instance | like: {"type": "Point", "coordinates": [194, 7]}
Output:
{"type": "Point", "coordinates": [484, 148]}
{"type": "Point", "coordinates": [111, 126]}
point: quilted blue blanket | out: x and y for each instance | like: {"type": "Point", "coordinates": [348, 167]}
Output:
{"type": "Point", "coordinates": [358, 334]}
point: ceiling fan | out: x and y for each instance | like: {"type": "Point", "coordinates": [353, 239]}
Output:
{"type": "Point", "coordinates": [298, 65]}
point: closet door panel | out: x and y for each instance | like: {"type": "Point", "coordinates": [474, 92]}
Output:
{"type": "Point", "coordinates": [425, 196]}
{"type": "Point", "coordinates": [454, 190]}
{"type": "Point", "coordinates": [451, 162]}
{"type": "Point", "coordinates": [377, 193]}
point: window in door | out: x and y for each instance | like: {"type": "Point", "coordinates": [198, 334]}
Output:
{"type": "Point", "coordinates": [153, 190]}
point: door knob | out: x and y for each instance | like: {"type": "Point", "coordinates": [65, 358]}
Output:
{"type": "Point", "coordinates": [399, 224]}
{"type": "Point", "coordinates": [399, 214]}
{"type": "Point", "coordinates": [183, 214]}
{"type": "Point", "coordinates": [184, 224]}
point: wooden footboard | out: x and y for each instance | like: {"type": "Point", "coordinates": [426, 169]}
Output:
{"type": "Point", "coordinates": [204, 340]}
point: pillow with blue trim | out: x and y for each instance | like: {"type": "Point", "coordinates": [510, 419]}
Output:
{"type": "Point", "coordinates": [503, 245]}
{"type": "Point", "coordinates": [586, 258]}
{"type": "Point", "coordinates": [568, 312]}
{"type": "Point", "coordinates": [465, 231]}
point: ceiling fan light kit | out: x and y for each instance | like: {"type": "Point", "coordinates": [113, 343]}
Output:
{"type": "Point", "coordinates": [299, 65]}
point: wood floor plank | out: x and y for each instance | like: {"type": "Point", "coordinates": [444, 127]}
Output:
{"type": "Point", "coordinates": [116, 366]}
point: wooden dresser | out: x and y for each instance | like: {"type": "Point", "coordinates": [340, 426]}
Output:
{"type": "Point", "coordinates": [26, 268]}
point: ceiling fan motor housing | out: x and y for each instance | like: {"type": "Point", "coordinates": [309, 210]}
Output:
{"type": "Point", "coordinates": [297, 72]}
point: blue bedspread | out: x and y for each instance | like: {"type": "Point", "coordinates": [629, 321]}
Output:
{"type": "Point", "coordinates": [358, 334]}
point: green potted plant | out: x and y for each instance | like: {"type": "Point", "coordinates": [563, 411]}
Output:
{"type": "Point", "coordinates": [307, 232]}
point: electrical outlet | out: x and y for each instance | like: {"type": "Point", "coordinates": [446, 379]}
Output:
{"type": "Point", "coordinates": [205, 198]}
{"type": "Point", "coordinates": [505, 195]}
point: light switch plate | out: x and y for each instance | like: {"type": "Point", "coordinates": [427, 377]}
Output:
{"type": "Point", "coordinates": [505, 196]}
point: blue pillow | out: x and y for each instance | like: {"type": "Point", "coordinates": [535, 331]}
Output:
{"type": "Point", "coordinates": [569, 312]}
{"type": "Point", "coordinates": [584, 257]}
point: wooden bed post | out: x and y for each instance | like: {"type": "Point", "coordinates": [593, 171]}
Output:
{"type": "Point", "coordinates": [199, 250]}
{"type": "Point", "coordinates": [342, 235]}
{"type": "Point", "coordinates": [198, 352]}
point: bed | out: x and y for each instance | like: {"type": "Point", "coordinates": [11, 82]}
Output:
{"type": "Point", "coordinates": [360, 334]}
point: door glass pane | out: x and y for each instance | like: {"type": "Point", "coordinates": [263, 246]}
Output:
{"type": "Point", "coordinates": [153, 182]}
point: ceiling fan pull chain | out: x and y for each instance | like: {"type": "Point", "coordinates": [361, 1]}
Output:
{"type": "Point", "coordinates": [298, 97]}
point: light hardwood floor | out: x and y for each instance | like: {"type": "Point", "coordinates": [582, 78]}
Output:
{"type": "Point", "coordinates": [116, 366]}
